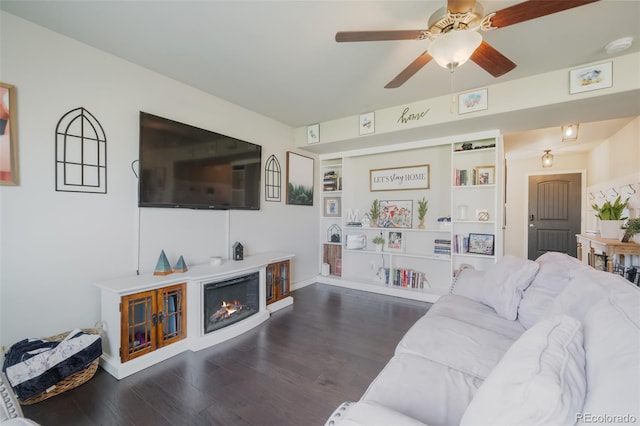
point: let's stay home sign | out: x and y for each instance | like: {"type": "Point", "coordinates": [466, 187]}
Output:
{"type": "Point", "coordinates": [413, 177]}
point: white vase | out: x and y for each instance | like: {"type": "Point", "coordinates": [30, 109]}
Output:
{"type": "Point", "coordinates": [610, 228]}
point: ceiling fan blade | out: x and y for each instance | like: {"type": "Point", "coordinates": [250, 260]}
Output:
{"type": "Point", "coordinates": [460, 6]}
{"type": "Point", "coordinates": [343, 36]}
{"type": "Point", "coordinates": [492, 61]}
{"type": "Point", "coordinates": [409, 71]}
{"type": "Point", "coordinates": [532, 9]}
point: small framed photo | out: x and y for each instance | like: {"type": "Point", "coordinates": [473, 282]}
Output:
{"type": "Point", "coordinates": [8, 135]}
{"type": "Point", "coordinates": [395, 241]}
{"type": "Point", "coordinates": [485, 175]}
{"type": "Point", "coordinates": [367, 123]}
{"type": "Point", "coordinates": [332, 207]}
{"type": "Point", "coordinates": [473, 101]}
{"type": "Point", "coordinates": [590, 78]}
{"type": "Point", "coordinates": [313, 133]}
{"type": "Point", "coordinates": [481, 244]}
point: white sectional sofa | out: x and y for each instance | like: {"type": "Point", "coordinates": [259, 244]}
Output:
{"type": "Point", "coordinates": [550, 342]}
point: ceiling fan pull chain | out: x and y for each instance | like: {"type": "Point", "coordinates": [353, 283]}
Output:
{"type": "Point", "coordinates": [452, 107]}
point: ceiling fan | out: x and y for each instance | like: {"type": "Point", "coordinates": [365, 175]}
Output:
{"type": "Point", "coordinates": [454, 37]}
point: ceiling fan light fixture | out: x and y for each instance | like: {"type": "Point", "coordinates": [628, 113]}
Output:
{"type": "Point", "coordinates": [452, 49]}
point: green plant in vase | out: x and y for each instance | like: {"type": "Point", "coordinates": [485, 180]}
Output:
{"type": "Point", "coordinates": [632, 228]}
{"type": "Point", "coordinates": [423, 207]}
{"type": "Point", "coordinates": [610, 215]}
{"type": "Point", "coordinates": [374, 212]}
{"type": "Point", "coordinates": [378, 241]}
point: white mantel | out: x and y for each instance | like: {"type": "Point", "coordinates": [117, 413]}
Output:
{"type": "Point", "coordinates": [197, 275]}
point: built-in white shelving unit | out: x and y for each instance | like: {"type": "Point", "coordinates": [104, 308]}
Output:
{"type": "Point", "coordinates": [419, 267]}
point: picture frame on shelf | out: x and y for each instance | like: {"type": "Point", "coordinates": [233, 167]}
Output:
{"type": "Point", "coordinates": [473, 101]}
{"type": "Point", "coordinates": [482, 244]}
{"type": "Point", "coordinates": [395, 241]}
{"type": "Point", "coordinates": [589, 78]}
{"type": "Point", "coordinates": [332, 207]}
{"type": "Point", "coordinates": [367, 123]}
{"type": "Point", "coordinates": [299, 179]}
{"type": "Point", "coordinates": [485, 175]}
{"type": "Point", "coordinates": [395, 213]}
{"type": "Point", "coordinates": [313, 133]}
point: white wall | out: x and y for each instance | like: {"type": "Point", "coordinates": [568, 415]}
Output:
{"type": "Point", "coordinates": [55, 245]}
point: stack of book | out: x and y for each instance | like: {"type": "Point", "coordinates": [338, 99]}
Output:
{"type": "Point", "coordinates": [461, 243]}
{"type": "Point", "coordinates": [464, 177]}
{"type": "Point", "coordinates": [401, 277]}
{"type": "Point", "coordinates": [331, 181]}
{"type": "Point", "coordinates": [442, 248]}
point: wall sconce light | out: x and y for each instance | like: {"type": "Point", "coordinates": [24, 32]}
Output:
{"type": "Point", "coordinates": [547, 158]}
{"type": "Point", "coordinates": [570, 132]}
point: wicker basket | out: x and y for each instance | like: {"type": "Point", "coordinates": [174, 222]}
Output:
{"type": "Point", "coordinates": [72, 381]}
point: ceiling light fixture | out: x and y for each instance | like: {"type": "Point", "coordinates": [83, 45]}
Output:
{"type": "Point", "coordinates": [570, 132]}
{"type": "Point", "coordinates": [547, 158]}
{"type": "Point", "coordinates": [452, 49]}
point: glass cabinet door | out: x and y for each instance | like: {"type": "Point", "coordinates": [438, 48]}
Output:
{"type": "Point", "coordinates": [270, 283]}
{"type": "Point", "coordinates": [172, 317]}
{"type": "Point", "coordinates": [138, 325]}
{"type": "Point", "coordinates": [284, 278]}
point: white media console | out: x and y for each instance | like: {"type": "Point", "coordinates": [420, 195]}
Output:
{"type": "Point", "coordinates": [113, 292]}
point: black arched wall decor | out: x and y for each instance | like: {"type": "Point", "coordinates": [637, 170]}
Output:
{"type": "Point", "coordinates": [272, 179]}
{"type": "Point", "coordinates": [81, 153]}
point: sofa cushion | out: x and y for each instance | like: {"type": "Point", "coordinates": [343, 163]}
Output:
{"type": "Point", "coordinates": [505, 282]}
{"type": "Point", "coordinates": [541, 379]}
{"type": "Point", "coordinates": [368, 413]}
{"type": "Point", "coordinates": [552, 277]}
{"type": "Point", "coordinates": [612, 345]}
{"type": "Point", "coordinates": [584, 290]}
{"type": "Point", "coordinates": [477, 314]}
{"type": "Point", "coordinates": [423, 390]}
{"type": "Point", "coordinates": [456, 344]}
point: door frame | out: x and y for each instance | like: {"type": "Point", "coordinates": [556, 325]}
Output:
{"type": "Point", "coordinates": [583, 199]}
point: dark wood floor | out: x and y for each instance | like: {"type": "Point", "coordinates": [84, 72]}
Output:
{"type": "Point", "coordinates": [294, 369]}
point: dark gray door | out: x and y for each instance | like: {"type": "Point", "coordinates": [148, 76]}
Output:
{"type": "Point", "coordinates": [554, 213]}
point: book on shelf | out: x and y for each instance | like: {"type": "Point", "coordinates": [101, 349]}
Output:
{"type": "Point", "coordinates": [463, 177]}
{"type": "Point", "coordinates": [461, 243]}
{"type": "Point", "coordinates": [441, 247]}
{"type": "Point", "coordinates": [401, 277]}
{"type": "Point", "coordinates": [331, 181]}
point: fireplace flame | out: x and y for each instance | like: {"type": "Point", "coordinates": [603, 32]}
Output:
{"type": "Point", "coordinates": [226, 310]}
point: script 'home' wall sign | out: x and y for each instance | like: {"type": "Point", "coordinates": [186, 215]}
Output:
{"type": "Point", "coordinates": [399, 178]}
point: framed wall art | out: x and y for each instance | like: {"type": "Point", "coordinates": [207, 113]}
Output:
{"type": "Point", "coordinates": [473, 101]}
{"type": "Point", "coordinates": [589, 78]}
{"type": "Point", "coordinates": [399, 178]}
{"type": "Point", "coordinates": [367, 123]}
{"type": "Point", "coordinates": [8, 135]}
{"type": "Point", "coordinates": [485, 175]}
{"type": "Point", "coordinates": [313, 133]}
{"type": "Point", "coordinates": [481, 244]}
{"type": "Point", "coordinates": [395, 214]}
{"type": "Point", "coordinates": [299, 179]}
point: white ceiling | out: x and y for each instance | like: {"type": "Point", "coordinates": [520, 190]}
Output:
{"type": "Point", "coordinates": [280, 59]}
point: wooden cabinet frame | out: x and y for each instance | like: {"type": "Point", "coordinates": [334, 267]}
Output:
{"type": "Point", "coordinates": [278, 281]}
{"type": "Point", "coordinates": [152, 319]}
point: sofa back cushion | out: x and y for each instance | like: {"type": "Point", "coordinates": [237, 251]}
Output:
{"type": "Point", "coordinates": [553, 276]}
{"type": "Point", "coordinates": [612, 346]}
{"type": "Point", "coordinates": [540, 380]}
{"type": "Point", "coordinates": [505, 282]}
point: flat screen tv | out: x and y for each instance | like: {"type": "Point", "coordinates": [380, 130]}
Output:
{"type": "Point", "coordinates": [188, 167]}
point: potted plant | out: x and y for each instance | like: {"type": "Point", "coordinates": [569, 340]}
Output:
{"type": "Point", "coordinates": [374, 212]}
{"type": "Point", "coordinates": [423, 206]}
{"type": "Point", "coordinates": [378, 241]}
{"type": "Point", "coordinates": [632, 229]}
{"type": "Point", "coordinates": [610, 215]}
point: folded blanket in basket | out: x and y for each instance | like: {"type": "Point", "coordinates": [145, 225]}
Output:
{"type": "Point", "coordinates": [33, 368]}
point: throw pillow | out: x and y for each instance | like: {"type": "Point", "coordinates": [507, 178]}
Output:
{"type": "Point", "coordinates": [505, 283]}
{"type": "Point", "coordinates": [469, 283]}
{"type": "Point", "coordinates": [540, 380]}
